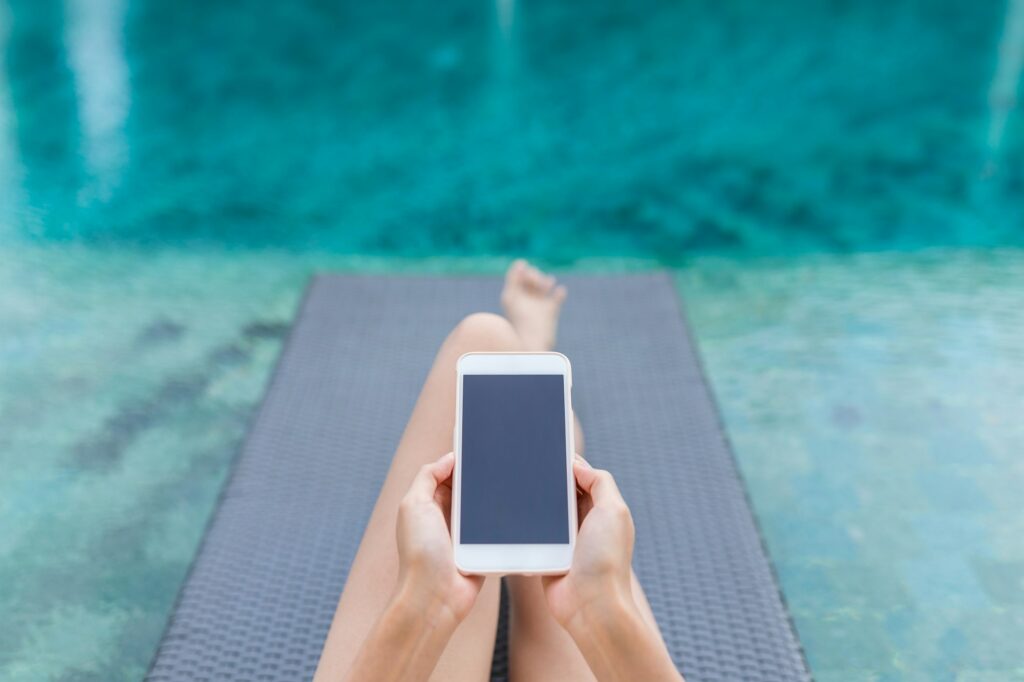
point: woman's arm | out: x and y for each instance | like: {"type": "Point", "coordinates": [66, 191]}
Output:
{"type": "Point", "coordinates": [406, 641]}
{"type": "Point", "coordinates": [594, 600]}
{"type": "Point", "coordinates": [432, 597]}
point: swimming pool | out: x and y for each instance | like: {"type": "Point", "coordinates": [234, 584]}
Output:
{"type": "Point", "coordinates": [837, 190]}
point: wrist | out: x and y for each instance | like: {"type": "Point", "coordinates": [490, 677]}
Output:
{"type": "Point", "coordinates": [407, 639]}
{"type": "Point", "coordinates": [617, 642]}
{"type": "Point", "coordinates": [416, 598]}
{"type": "Point", "coordinates": [608, 612]}
{"type": "Point", "coordinates": [610, 635]}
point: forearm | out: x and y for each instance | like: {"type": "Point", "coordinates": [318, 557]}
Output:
{"type": "Point", "coordinates": [405, 643]}
{"type": "Point", "coordinates": [619, 645]}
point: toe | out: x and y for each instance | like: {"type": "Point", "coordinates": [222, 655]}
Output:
{"type": "Point", "coordinates": [559, 293]}
{"type": "Point", "coordinates": [515, 271]}
{"type": "Point", "coordinates": [535, 278]}
{"type": "Point", "coordinates": [517, 278]}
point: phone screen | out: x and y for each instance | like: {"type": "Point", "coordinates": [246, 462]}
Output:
{"type": "Point", "coordinates": [513, 459]}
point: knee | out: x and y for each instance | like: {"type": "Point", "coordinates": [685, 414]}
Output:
{"type": "Point", "coordinates": [485, 332]}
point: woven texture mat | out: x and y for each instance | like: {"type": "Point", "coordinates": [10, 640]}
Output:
{"type": "Point", "coordinates": [260, 596]}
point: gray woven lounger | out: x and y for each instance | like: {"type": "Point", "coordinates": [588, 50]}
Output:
{"type": "Point", "coordinates": [259, 598]}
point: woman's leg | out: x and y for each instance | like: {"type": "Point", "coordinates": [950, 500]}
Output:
{"type": "Point", "coordinates": [374, 571]}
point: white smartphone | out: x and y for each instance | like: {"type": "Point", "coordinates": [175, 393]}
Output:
{"type": "Point", "coordinates": [514, 495]}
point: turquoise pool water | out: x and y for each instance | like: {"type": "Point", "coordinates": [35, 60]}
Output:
{"type": "Point", "coordinates": [838, 188]}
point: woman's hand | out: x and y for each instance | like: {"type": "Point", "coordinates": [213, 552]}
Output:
{"type": "Point", "coordinates": [432, 597]}
{"type": "Point", "coordinates": [594, 600]}
{"type": "Point", "coordinates": [601, 565]}
{"type": "Point", "coordinates": [427, 575]}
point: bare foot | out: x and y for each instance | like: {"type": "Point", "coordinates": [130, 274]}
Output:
{"type": "Point", "coordinates": [532, 301]}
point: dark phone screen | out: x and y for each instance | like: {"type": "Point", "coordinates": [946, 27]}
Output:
{"type": "Point", "coordinates": [513, 459]}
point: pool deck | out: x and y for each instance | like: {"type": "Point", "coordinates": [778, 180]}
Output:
{"type": "Point", "coordinates": [872, 401]}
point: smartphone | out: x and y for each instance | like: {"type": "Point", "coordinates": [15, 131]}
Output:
{"type": "Point", "coordinates": [514, 495]}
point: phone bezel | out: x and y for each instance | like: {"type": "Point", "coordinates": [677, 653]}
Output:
{"type": "Point", "coordinates": [531, 559]}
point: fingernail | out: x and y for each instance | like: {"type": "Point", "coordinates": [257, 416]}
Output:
{"type": "Point", "coordinates": [584, 462]}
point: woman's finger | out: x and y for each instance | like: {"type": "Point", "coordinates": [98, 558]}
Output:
{"type": "Point", "coordinates": [444, 467]}
{"type": "Point", "coordinates": [583, 506]}
{"type": "Point", "coordinates": [443, 496]}
{"type": "Point", "coordinates": [597, 483]}
{"type": "Point", "coordinates": [430, 476]}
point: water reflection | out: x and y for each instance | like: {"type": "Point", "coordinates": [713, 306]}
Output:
{"type": "Point", "coordinates": [506, 10]}
{"type": "Point", "coordinates": [500, 97]}
{"type": "Point", "coordinates": [1003, 91]}
{"type": "Point", "coordinates": [11, 200]}
{"type": "Point", "coordinates": [94, 36]}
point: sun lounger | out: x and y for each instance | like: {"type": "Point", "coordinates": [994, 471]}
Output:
{"type": "Point", "coordinates": [261, 593]}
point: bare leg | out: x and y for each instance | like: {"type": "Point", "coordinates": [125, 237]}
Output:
{"type": "Point", "coordinates": [374, 571]}
{"type": "Point", "coordinates": [539, 648]}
